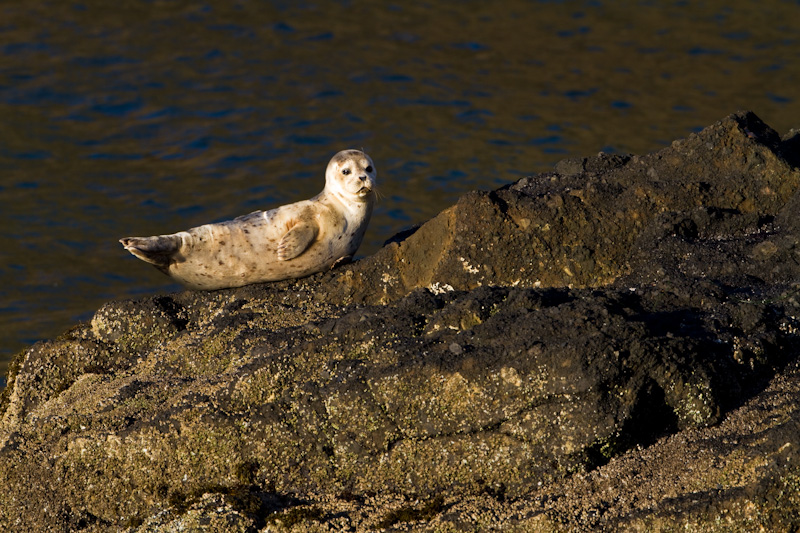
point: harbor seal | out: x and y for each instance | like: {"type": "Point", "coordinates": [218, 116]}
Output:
{"type": "Point", "coordinates": [290, 241]}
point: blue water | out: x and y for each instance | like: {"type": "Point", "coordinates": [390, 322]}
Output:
{"type": "Point", "coordinates": [152, 117]}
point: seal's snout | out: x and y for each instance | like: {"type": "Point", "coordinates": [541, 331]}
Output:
{"type": "Point", "coordinates": [366, 183]}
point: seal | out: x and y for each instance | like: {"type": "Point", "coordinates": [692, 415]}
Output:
{"type": "Point", "coordinates": [291, 241]}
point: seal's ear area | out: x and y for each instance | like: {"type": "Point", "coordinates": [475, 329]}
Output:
{"type": "Point", "coordinates": [297, 240]}
{"type": "Point", "coordinates": [157, 251]}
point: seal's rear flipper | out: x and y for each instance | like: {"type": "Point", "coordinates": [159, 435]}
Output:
{"type": "Point", "coordinates": [159, 251]}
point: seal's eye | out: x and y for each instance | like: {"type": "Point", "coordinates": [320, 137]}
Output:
{"type": "Point", "coordinates": [345, 171]}
{"type": "Point", "coordinates": [369, 168]}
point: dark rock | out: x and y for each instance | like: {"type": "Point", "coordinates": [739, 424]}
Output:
{"type": "Point", "coordinates": [623, 316]}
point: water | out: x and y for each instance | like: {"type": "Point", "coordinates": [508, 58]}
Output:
{"type": "Point", "coordinates": [154, 116]}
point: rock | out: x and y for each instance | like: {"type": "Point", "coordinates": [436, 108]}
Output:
{"type": "Point", "coordinates": [577, 229]}
{"type": "Point", "coordinates": [612, 345]}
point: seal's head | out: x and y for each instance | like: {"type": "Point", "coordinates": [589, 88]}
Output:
{"type": "Point", "coordinates": [351, 174]}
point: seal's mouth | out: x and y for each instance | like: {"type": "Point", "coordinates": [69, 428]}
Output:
{"type": "Point", "coordinates": [363, 191]}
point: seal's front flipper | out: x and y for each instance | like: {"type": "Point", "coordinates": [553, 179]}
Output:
{"type": "Point", "coordinates": [159, 251]}
{"type": "Point", "coordinates": [296, 240]}
{"type": "Point", "coordinates": [342, 261]}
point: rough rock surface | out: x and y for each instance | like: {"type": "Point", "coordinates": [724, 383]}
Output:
{"type": "Point", "coordinates": [609, 346]}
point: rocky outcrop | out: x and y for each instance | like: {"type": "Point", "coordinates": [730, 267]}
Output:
{"type": "Point", "coordinates": [612, 345]}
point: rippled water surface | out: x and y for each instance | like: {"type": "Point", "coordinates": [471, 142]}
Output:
{"type": "Point", "coordinates": [160, 115]}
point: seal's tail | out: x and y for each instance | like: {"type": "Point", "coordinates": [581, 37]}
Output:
{"type": "Point", "coordinates": [160, 251]}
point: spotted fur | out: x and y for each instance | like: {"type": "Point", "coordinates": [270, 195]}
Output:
{"type": "Point", "coordinates": [290, 241]}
